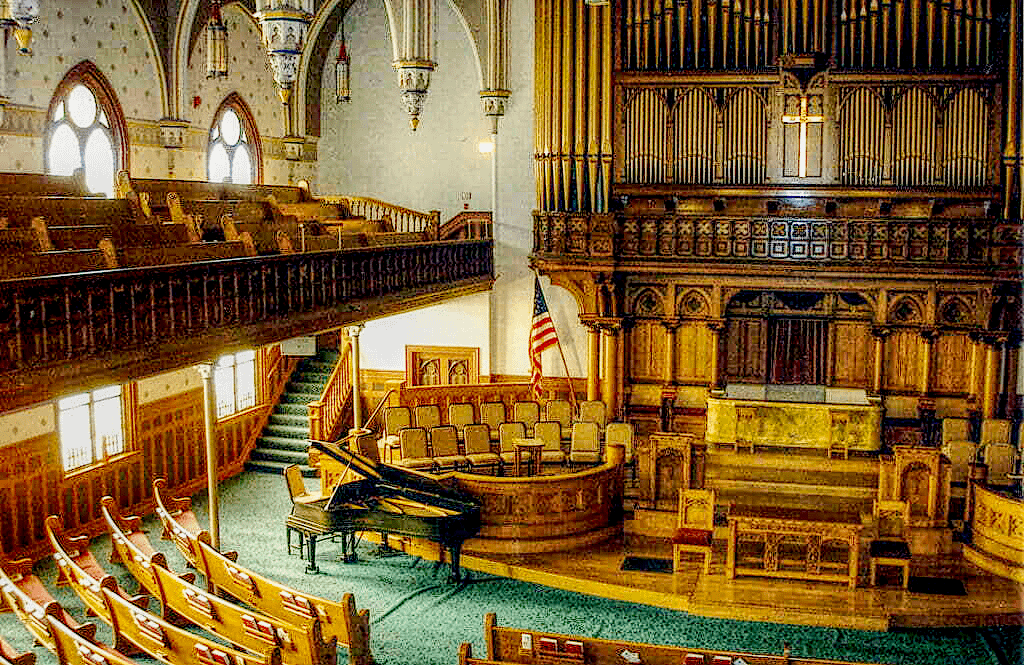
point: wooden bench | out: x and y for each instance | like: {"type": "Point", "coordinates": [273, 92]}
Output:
{"type": "Point", "coordinates": [180, 524]}
{"type": "Point", "coordinates": [133, 235]}
{"type": "Point", "coordinates": [79, 568]}
{"type": "Point", "coordinates": [11, 656]}
{"type": "Point", "coordinates": [40, 184]}
{"type": "Point", "coordinates": [74, 649]}
{"type": "Point", "coordinates": [138, 257]}
{"type": "Point", "coordinates": [71, 211]}
{"type": "Point", "coordinates": [39, 264]}
{"type": "Point", "coordinates": [523, 645]}
{"type": "Point", "coordinates": [159, 188]}
{"type": "Point", "coordinates": [31, 602]}
{"type": "Point", "coordinates": [338, 621]}
{"type": "Point", "coordinates": [173, 645]}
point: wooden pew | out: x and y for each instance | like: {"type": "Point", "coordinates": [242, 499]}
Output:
{"type": "Point", "coordinates": [74, 649]}
{"type": "Point", "coordinates": [181, 525]}
{"type": "Point", "coordinates": [40, 184]}
{"type": "Point", "coordinates": [159, 188]}
{"type": "Point", "coordinates": [39, 264]}
{"type": "Point", "coordinates": [132, 549]}
{"type": "Point", "coordinates": [71, 211]}
{"type": "Point", "coordinates": [338, 621]}
{"type": "Point", "coordinates": [11, 656]}
{"type": "Point", "coordinates": [509, 645]}
{"type": "Point", "coordinates": [137, 257]}
{"type": "Point", "coordinates": [172, 645]}
{"type": "Point", "coordinates": [31, 602]}
{"type": "Point", "coordinates": [135, 235]}
{"type": "Point", "coordinates": [79, 568]}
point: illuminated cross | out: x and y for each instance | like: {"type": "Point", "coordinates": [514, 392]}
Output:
{"type": "Point", "coordinates": [804, 119]}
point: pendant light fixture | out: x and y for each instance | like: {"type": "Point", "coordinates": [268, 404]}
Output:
{"type": "Point", "coordinates": [216, 44]}
{"type": "Point", "coordinates": [342, 71]}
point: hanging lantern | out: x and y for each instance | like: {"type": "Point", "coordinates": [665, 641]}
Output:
{"type": "Point", "coordinates": [342, 71]}
{"type": "Point", "coordinates": [284, 24]}
{"type": "Point", "coordinates": [216, 45]}
{"type": "Point", "coordinates": [18, 16]}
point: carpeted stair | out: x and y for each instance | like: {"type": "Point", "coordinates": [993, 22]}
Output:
{"type": "Point", "coordinates": [285, 438]}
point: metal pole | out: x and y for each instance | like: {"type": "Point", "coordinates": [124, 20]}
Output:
{"type": "Point", "coordinates": [357, 414]}
{"type": "Point", "coordinates": [210, 410]}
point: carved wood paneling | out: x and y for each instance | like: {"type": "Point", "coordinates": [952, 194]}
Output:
{"type": "Point", "coordinates": [746, 344]}
{"type": "Point", "coordinates": [851, 354]}
{"type": "Point", "coordinates": [951, 363]}
{"type": "Point", "coordinates": [693, 353]}
{"type": "Point", "coordinates": [645, 351]}
{"type": "Point", "coordinates": [902, 360]}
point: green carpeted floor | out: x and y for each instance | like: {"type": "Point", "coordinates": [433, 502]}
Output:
{"type": "Point", "coordinates": [417, 618]}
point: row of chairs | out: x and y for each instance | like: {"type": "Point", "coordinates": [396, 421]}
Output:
{"type": "Point", "coordinates": [441, 451]}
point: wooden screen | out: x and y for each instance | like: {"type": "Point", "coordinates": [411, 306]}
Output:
{"type": "Point", "coordinates": [441, 365]}
{"type": "Point", "coordinates": [798, 351]}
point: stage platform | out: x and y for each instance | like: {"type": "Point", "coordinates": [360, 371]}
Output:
{"type": "Point", "coordinates": [597, 570]}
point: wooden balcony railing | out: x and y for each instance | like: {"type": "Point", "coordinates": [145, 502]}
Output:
{"type": "Point", "coordinates": [123, 323]}
{"type": "Point", "coordinates": [403, 220]}
{"type": "Point", "coordinates": [940, 242]}
{"type": "Point", "coordinates": [326, 411]}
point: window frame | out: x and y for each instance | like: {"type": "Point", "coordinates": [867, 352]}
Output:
{"type": "Point", "coordinates": [95, 460]}
{"type": "Point", "coordinates": [235, 397]}
{"type": "Point", "coordinates": [236, 103]}
{"type": "Point", "coordinates": [88, 75]}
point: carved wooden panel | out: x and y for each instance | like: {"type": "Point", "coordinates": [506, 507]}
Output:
{"type": "Point", "coordinates": [441, 365]}
{"type": "Point", "coordinates": [951, 363]}
{"type": "Point", "coordinates": [693, 353]}
{"type": "Point", "coordinates": [746, 355]}
{"type": "Point", "coordinates": [645, 349]}
{"type": "Point", "coordinates": [852, 354]}
{"type": "Point", "coordinates": [902, 360]}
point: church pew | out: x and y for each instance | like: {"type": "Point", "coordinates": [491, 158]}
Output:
{"type": "Point", "coordinates": [172, 645]}
{"type": "Point", "coordinates": [74, 649]}
{"type": "Point", "coordinates": [40, 264]}
{"type": "Point", "coordinates": [71, 211]}
{"type": "Point", "coordinates": [138, 257]}
{"type": "Point", "coordinates": [40, 184]}
{"type": "Point", "coordinates": [180, 524]}
{"type": "Point", "coordinates": [11, 656]}
{"type": "Point", "coordinates": [159, 188]}
{"type": "Point", "coordinates": [134, 235]}
{"type": "Point", "coordinates": [20, 241]}
{"type": "Point", "coordinates": [338, 621]}
{"type": "Point", "coordinates": [24, 593]}
{"type": "Point", "coordinates": [79, 568]}
{"type": "Point", "coordinates": [132, 549]}
{"type": "Point", "coordinates": [522, 645]}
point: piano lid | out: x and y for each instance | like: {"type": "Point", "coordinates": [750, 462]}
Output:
{"type": "Point", "coordinates": [360, 464]}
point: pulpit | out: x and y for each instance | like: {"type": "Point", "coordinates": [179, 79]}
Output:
{"type": "Point", "coordinates": [670, 461]}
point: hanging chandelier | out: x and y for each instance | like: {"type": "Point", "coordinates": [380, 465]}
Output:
{"type": "Point", "coordinates": [216, 45]}
{"type": "Point", "coordinates": [284, 24]}
{"type": "Point", "coordinates": [18, 16]}
{"type": "Point", "coordinates": [342, 72]}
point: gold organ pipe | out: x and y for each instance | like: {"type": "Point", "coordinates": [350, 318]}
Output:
{"type": "Point", "coordinates": [563, 137]}
{"type": "Point", "coordinates": [695, 9]}
{"type": "Point", "coordinates": [606, 104]}
{"type": "Point", "coordinates": [931, 32]}
{"type": "Point", "coordinates": [900, 31]}
{"type": "Point", "coordinates": [958, 12]}
{"type": "Point", "coordinates": [1013, 109]}
{"type": "Point", "coordinates": [543, 146]}
{"type": "Point", "coordinates": [805, 33]}
{"type": "Point", "coordinates": [592, 101]}
{"type": "Point", "coordinates": [681, 15]}
{"type": "Point", "coordinates": [945, 33]}
{"type": "Point", "coordinates": [886, 10]}
{"type": "Point", "coordinates": [668, 9]}
{"type": "Point", "coordinates": [579, 106]}
{"type": "Point", "coordinates": [915, 30]}
{"type": "Point", "coordinates": [876, 43]}
{"type": "Point", "coordinates": [712, 16]}
{"type": "Point", "coordinates": [748, 13]}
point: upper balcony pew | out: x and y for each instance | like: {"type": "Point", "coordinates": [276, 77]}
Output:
{"type": "Point", "coordinates": [25, 594]}
{"type": "Point", "coordinates": [39, 184]}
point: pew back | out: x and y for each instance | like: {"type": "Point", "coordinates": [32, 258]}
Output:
{"type": "Point", "coordinates": [337, 620]}
{"type": "Point", "coordinates": [10, 656]}
{"type": "Point", "coordinates": [180, 524]}
{"type": "Point", "coordinates": [74, 649]}
{"type": "Point", "coordinates": [159, 188]}
{"type": "Point", "coordinates": [22, 592]}
{"type": "Point", "coordinates": [39, 184]}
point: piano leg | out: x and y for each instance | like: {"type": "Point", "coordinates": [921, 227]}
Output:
{"type": "Point", "coordinates": [348, 546]}
{"type": "Point", "coordinates": [456, 569]}
{"type": "Point", "coordinates": [311, 567]}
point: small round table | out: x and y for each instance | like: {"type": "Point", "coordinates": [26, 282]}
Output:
{"type": "Point", "coordinates": [533, 448]}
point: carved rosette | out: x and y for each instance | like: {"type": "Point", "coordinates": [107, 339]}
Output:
{"type": "Point", "coordinates": [414, 80]}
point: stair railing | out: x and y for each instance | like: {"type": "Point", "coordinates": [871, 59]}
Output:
{"type": "Point", "coordinates": [404, 220]}
{"type": "Point", "coordinates": [380, 407]}
{"type": "Point", "coordinates": [325, 413]}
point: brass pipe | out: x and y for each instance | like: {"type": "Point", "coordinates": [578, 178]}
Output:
{"type": "Point", "coordinates": [606, 106]}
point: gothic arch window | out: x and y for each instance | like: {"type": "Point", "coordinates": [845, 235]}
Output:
{"type": "Point", "coordinates": [233, 154]}
{"type": "Point", "coordinates": [86, 129]}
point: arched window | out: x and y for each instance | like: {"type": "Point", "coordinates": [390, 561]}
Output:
{"type": "Point", "coordinates": [85, 129]}
{"type": "Point", "coordinates": [234, 151]}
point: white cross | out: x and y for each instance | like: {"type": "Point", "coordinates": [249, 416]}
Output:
{"type": "Point", "coordinates": [803, 119]}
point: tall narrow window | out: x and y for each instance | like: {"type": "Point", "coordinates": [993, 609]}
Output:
{"type": "Point", "coordinates": [234, 151]}
{"type": "Point", "coordinates": [90, 425]}
{"type": "Point", "coordinates": [234, 382]}
{"type": "Point", "coordinates": [85, 130]}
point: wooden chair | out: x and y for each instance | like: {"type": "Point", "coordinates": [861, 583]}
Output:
{"type": "Point", "coordinates": [493, 414]}
{"type": "Point", "coordinates": [461, 414]}
{"type": "Point", "coordinates": [478, 448]}
{"type": "Point", "coordinates": [746, 417]}
{"type": "Point", "coordinates": [560, 411]}
{"type": "Point", "coordinates": [695, 527]}
{"type": "Point", "coordinates": [396, 418]}
{"type": "Point", "coordinates": [892, 547]}
{"type": "Point", "coordinates": [622, 433]}
{"type": "Point", "coordinates": [550, 432]}
{"type": "Point", "coordinates": [444, 441]}
{"type": "Point", "coordinates": [508, 434]}
{"type": "Point", "coordinates": [527, 413]}
{"type": "Point", "coordinates": [592, 411]}
{"type": "Point", "coordinates": [299, 494]}
{"type": "Point", "coordinates": [413, 443]}
{"type": "Point", "coordinates": [426, 416]}
{"type": "Point", "coordinates": [585, 444]}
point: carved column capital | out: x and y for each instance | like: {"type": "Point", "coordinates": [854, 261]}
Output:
{"type": "Point", "coordinates": [715, 325]}
{"type": "Point", "coordinates": [671, 324]}
{"type": "Point", "coordinates": [880, 332]}
{"type": "Point", "coordinates": [205, 370]}
{"type": "Point", "coordinates": [353, 331]}
{"type": "Point", "coordinates": [929, 335]}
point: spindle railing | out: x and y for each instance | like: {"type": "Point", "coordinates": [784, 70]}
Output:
{"type": "Point", "coordinates": [325, 413]}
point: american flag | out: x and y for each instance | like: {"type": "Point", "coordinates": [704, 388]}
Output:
{"type": "Point", "coordinates": [542, 336]}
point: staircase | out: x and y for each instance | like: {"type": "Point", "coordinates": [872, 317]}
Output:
{"type": "Point", "coordinates": [285, 438]}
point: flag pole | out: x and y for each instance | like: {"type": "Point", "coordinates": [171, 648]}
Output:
{"type": "Point", "coordinates": [565, 365]}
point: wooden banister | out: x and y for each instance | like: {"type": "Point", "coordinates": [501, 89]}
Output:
{"type": "Point", "coordinates": [404, 220]}
{"type": "Point", "coordinates": [325, 413]}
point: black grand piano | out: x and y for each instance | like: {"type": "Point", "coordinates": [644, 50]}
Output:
{"type": "Point", "coordinates": [388, 499]}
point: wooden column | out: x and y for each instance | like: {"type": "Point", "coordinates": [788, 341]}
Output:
{"type": "Point", "coordinates": [210, 420]}
{"type": "Point", "coordinates": [977, 365]}
{"type": "Point", "coordinates": [1009, 388]}
{"type": "Point", "coordinates": [879, 374]}
{"type": "Point", "coordinates": [990, 390]}
{"type": "Point", "coordinates": [669, 378]}
{"type": "Point", "coordinates": [716, 326]}
{"type": "Point", "coordinates": [593, 362]}
{"type": "Point", "coordinates": [357, 412]}
{"type": "Point", "coordinates": [610, 380]}
{"type": "Point", "coordinates": [924, 377]}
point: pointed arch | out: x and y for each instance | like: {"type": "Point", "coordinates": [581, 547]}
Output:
{"type": "Point", "coordinates": [236, 149]}
{"type": "Point", "coordinates": [85, 129]}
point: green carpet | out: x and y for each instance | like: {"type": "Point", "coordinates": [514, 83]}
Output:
{"type": "Point", "coordinates": [418, 618]}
